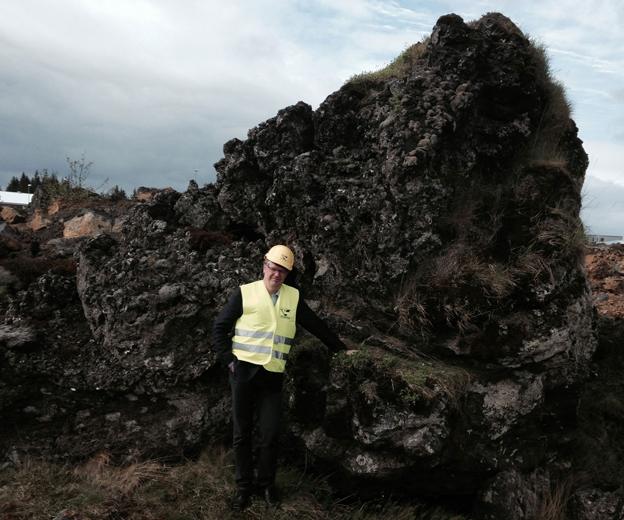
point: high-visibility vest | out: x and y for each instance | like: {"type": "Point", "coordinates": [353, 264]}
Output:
{"type": "Point", "coordinates": [265, 332]}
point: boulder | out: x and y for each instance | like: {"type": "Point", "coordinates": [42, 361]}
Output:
{"type": "Point", "coordinates": [89, 224]}
{"type": "Point", "coordinates": [12, 215]}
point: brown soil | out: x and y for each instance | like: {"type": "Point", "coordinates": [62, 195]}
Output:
{"type": "Point", "coordinates": [605, 271]}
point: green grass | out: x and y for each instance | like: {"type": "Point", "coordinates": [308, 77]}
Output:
{"type": "Point", "coordinates": [397, 68]}
{"type": "Point", "coordinates": [413, 380]}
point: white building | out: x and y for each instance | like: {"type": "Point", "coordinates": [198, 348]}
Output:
{"type": "Point", "coordinates": [15, 198]}
{"type": "Point", "coordinates": [604, 239]}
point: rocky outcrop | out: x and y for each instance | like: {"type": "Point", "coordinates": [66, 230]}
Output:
{"type": "Point", "coordinates": [433, 208]}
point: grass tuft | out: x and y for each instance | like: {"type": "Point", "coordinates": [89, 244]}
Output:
{"type": "Point", "coordinates": [553, 505]}
{"type": "Point", "coordinates": [124, 480]}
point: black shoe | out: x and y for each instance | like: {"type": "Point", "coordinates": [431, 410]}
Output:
{"type": "Point", "coordinates": [271, 496]}
{"type": "Point", "coordinates": [241, 501]}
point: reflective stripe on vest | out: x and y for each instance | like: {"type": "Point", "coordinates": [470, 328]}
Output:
{"type": "Point", "coordinates": [264, 333]}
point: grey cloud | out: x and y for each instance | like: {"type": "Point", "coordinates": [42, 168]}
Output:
{"type": "Point", "coordinates": [150, 91]}
{"type": "Point", "coordinates": [603, 207]}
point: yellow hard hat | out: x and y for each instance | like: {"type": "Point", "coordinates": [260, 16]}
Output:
{"type": "Point", "coordinates": [281, 255]}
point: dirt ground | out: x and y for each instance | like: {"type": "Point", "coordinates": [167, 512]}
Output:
{"type": "Point", "coordinates": [605, 271]}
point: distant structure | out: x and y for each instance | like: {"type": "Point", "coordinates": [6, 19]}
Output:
{"type": "Point", "coordinates": [15, 198]}
{"type": "Point", "coordinates": [604, 239]}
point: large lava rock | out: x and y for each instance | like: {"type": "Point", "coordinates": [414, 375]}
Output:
{"type": "Point", "coordinates": [433, 208]}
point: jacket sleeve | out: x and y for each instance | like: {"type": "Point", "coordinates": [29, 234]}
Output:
{"type": "Point", "coordinates": [223, 325]}
{"type": "Point", "coordinates": [310, 321]}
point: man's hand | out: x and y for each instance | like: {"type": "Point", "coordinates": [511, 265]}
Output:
{"type": "Point", "coordinates": [231, 366]}
{"type": "Point", "coordinates": [350, 352]}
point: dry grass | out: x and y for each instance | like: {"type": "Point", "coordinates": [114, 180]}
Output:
{"type": "Point", "coordinates": [554, 503]}
{"type": "Point", "coordinates": [534, 265]}
{"type": "Point", "coordinates": [411, 309]}
{"type": "Point", "coordinates": [562, 232]}
{"type": "Point", "coordinates": [122, 480]}
{"type": "Point", "coordinates": [467, 270]}
{"type": "Point", "coordinates": [555, 117]}
{"type": "Point", "coordinates": [456, 290]}
{"type": "Point", "coordinates": [195, 490]}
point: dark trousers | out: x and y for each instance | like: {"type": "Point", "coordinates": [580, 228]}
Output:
{"type": "Point", "coordinates": [256, 405]}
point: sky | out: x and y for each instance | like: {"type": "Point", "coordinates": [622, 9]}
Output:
{"type": "Point", "coordinates": [150, 90]}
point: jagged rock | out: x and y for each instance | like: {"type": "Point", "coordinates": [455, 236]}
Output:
{"type": "Point", "coordinates": [594, 504]}
{"type": "Point", "coordinates": [514, 496]}
{"type": "Point", "coordinates": [505, 402]}
{"type": "Point", "coordinates": [89, 224]}
{"type": "Point", "coordinates": [144, 194]}
{"type": "Point", "coordinates": [198, 208]}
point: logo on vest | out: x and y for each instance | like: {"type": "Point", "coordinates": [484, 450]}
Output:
{"type": "Point", "coordinates": [285, 313]}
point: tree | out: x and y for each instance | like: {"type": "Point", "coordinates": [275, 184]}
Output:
{"type": "Point", "coordinates": [13, 184]}
{"type": "Point", "coordinates": [24, 183]}
{"type": "Point", "coordinates": [116, 193]}
{"type": "Point", "coordinates": [36, 181]}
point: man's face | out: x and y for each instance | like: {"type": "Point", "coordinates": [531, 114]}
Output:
{"type": "Point", "coordinates": [274, 276]}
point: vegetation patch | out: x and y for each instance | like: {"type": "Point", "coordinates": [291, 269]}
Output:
{"type": "Point", "coordinates": [412, 380]}
{"type": "Point", "coordinates": [400, 67]}
{"type": "Point", "coordinates": [555, 116]}
{"type": "Point", "coordinates": [195, 490]}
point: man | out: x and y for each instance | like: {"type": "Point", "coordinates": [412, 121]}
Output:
{"type": "Point", "coordinates": [264, 315]}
